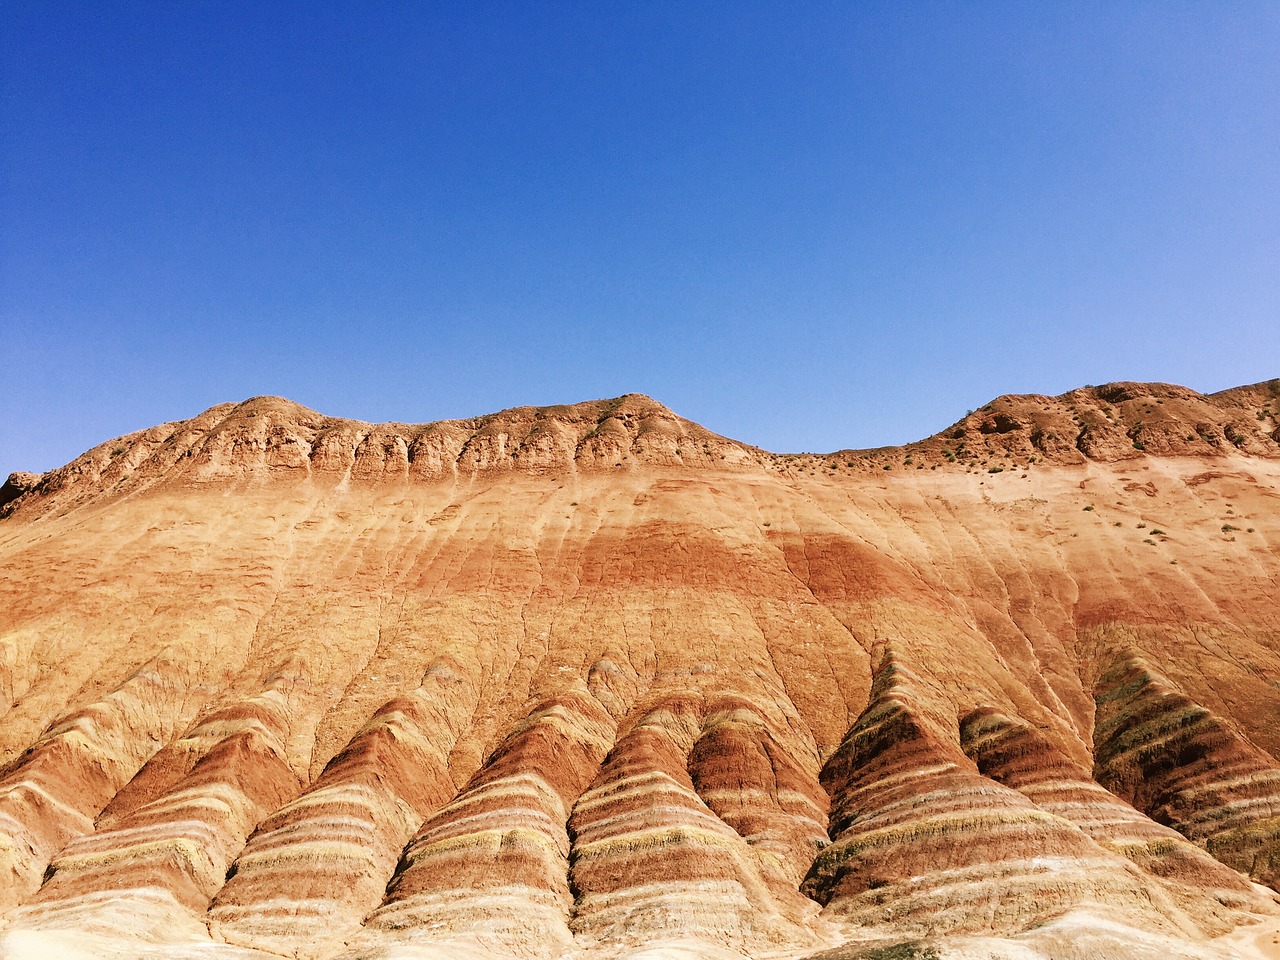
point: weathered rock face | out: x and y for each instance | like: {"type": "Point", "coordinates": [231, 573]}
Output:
{"type": "Point", "coordinates": [17, 485]}
{"type": "Point", "coordinates": [1207, 892]}
{"type": "Point", "coordinates": [1119, 421]}
{"type": "Point", "coordinates": [1174, 759]}
{"type": "Point", "coordinates": [593, 681]}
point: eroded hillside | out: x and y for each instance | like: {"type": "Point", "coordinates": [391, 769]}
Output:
{"type": "Point", "coordinates": [595, 681]}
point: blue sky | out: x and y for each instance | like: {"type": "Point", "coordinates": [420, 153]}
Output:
{"type": "Point", "coordinates": [805, 225]}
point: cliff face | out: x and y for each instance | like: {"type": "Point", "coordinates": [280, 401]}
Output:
{"type": "Point", "coordinates": [593, 680]}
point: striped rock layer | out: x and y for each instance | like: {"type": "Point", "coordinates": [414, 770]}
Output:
{"type": "Point", "coordinates": [1019, 756]}
{"type": "Point", "coordinates": [1186, 767]}
{"type": "Point", "coordinates": [923, 842]}
{"type": "Point", "coordinates": [593, 681]}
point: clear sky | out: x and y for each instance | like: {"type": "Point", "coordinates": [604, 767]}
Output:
{"type": "Point", "coordinates": [807, 225]}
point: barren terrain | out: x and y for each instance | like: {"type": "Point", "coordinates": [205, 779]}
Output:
{"type": "Point", "coordinates": [593, 682]}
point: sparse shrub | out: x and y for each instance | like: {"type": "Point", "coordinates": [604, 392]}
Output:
{"type": "Point", "coordinates": [1157, 532]}
{"type": "Point", "coordinates": [910, 950]}
{"type": "Point", "coordinates": [1228, 528]}
{"type": "Point", "coordinates": [996, 470]}
{"type": "Point", "coordinates": [1089, 508]}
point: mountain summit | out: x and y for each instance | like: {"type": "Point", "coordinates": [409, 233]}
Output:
{"type": "Point", "coordinates": [271, 438]}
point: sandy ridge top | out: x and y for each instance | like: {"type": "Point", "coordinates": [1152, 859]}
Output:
{"type": "Point", "coordinates": [269, 438]}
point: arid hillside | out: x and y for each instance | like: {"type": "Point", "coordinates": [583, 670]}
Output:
{"type": "Point", "coordinates": [594, 682]}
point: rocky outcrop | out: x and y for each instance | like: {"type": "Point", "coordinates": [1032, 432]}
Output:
{"type": "Point", "coordinates": [52, 792]}
{"type": "Point", "coordinates": [347, 830]}
{"type": "Point", "coordinates": [1167, 755]}
{"type": "Point", "coordinates": [746, 767]}
{"type": "Point", "coordinates": [17, 485]}
{"type": "Point", "coordinates": [922, 843]}
{"type": "Point", "coordinates": [651, 860]}
{"type": "Point", "coordinates": [1110, 423]}
{"type": "Point", "coordinates": [163, 846]}
{"type": "Point", "coordinates": [1017, 755]}
{"type": "Point", "coordinates": [494, 862]}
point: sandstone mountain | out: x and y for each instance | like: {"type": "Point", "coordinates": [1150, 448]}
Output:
{"type": "Point", "coordinates": [592, 681]}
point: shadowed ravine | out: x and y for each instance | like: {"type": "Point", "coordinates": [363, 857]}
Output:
{"type": "Point", "coordinates": [592, 681]}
